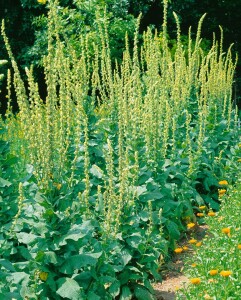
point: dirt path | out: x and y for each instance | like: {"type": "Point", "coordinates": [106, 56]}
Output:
{"type": "Point", "coordinates": [173, 276]}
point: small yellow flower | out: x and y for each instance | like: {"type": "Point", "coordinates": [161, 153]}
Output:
{"type": "Point", "coordinates": [203, 207]}
{"type": "Point", "coordinates": [239, 160]}
{"type": "Point", "coordinates": [199, 244]}
{"type": "Point", "coordinates": [200, 214]}
{"type": "Point", "coordinates": [239, 145]}
{"type": "Point", "coordinates": [178, 250]}
{"type": "Point", "coordinates": [42, 1]}
{"type": "Point", "coordinates": [195, 280]}
{"type": "Point", "coordinates": [223, 182]}
{"type": "Point", "coordinates": [194, 265]}
{"type": "Point", "coordinates": [239, 246]}
{"type": "Point", "coordinates": [213, 272]}
{"type": "Point", "coordinates": [192, 241]}
{"type": "Point", "coordinates": [226, 230]}
{"type": "Point", "coordinates": [58, 185]}
{"type": "Point", "coordinates": [225, 273]}
{"type": "Point", "coordinates": [185, 248]}
{"type": "Point", "coordinates": [206, 296]}
{"type": "Point", "coordinates": [211, 214]}
{"type": "Point", "coordinates": [221, 192]}
{"type": "Point", "coordinates": [191, 225]}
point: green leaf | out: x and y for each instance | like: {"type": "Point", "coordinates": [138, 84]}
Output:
{"type": "Point", "coordinates": [26, 238]}
{"type": "Point", "coordinates": [19, 277]}
{"type": "Point", "coordinates": [125, 256]}
{"type": "Point", "coordinates": [7, 265]}
{"type": "Point", "coordinates": [69, 288]}
{"type": "Point", "coordinates": [77, 262]}
{"type": "Point", "coordinates": [96, 171]}
{"type": "Point", "coordinates": [92, 296]}
{"type": "Point", "coordinates": [114, 289]}
{"type": "Point", "coordinates": [4, 182]}
{"type": "Point", "coordinates": [173, 230]}
{"type": "Point", "coordinates": [142, 293]}
{"type": "Point", "coordinates": [125, 293]}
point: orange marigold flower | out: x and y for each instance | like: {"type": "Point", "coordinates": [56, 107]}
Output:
{"type": "Point", "coordinates": [200, 214]}
{"type": "Point", "coordinates": [211, 213]}
{"type": "Point", "coordinates": [192, 241]}
{"type": "Point", "coordinates": [195, 280]}
{"type": "Point", "coordinates": [191, 225]}
{"type": "Point", "coordinates": [225, 273]}
{"type": "Point", "coordinates": [239, 246]}
{"type": "Point", "coordinates": [221, 192]}
{"type": "Point", "coordinates": [226, 230]}
{"type": "Point", "coordinates": [213, 272]}
{"type": "Point", "coordinates": [178, 250]}
{"type": "Point", "coordinates": [223, 182]}
{"type": "Point", "coordinates": [202, 207]}
{"type": "Point", "coordinates": [199, 244]}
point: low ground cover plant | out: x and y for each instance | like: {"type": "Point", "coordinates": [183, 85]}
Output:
{"type": "Point", "coordinates": [213, 269]}
{"type": "Point", "coordinates": [111, 166]}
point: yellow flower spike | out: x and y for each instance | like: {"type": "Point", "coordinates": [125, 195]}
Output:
{"type": "Point", "coordinates": [203, 207]}
{"type": "Point", "coordinates": [192, 241]}
{"type": "Point", "coordinates": [178, 250]}
{"type": "Point", "coordinates": [213, 272]}
{"type": "Point", "coordinates": [211, 214]}
{"type": "Point", "coordinates": [223, 182]}
{"type": "Point", "coordinates": [226, 230]}
{"type": "Point", "coordinates": [42, 1]}
{"type": "Point", "coordinates": [225, 273]}
{"type": "Point", "coordinates": [191, 225]}
{"type": "Point", "coordinates": [195, 280]}
{"type": "Point", "coordinates": [199, 244]}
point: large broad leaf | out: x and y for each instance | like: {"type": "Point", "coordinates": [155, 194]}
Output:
{"type": "Point", "coordinates": [142, 293]}
{"type": "Point", "coordinates": [26, 238]}
{"type": "Point", "coordinates": [19, 277]}
{"type": "Point", "coordinates": [4, 182]}
{"type": "Point", "coordinates": [69, 288]}
{"type": "Point", "coordinates": [77, 262]}
{"type": "Point", "coordinates": [173, 230]}
{"type": "Point", "coordinates": [125, 256]}
{"type": "Point", "coordinates": [96, 171]}
{"type": "Point", "coordinates": [7, 265]}
{"type": "Point", "coordinates": [125, 293]}
{"type": "Point", "coordinates": [114, 289]}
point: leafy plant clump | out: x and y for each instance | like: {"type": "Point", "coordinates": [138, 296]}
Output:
{"type": "Point", "coordinates": [115, 161]}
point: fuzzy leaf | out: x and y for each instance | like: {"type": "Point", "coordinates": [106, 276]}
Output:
{"type": "Point", "coordinates": [69, 288]}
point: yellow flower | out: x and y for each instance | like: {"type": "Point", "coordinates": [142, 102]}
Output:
{"type": "Point", "coordinates": [226, 230]}
{"type": "Point", "coordinates": [190, 225]}
{"type": "Point", "coordinates": [213, 272]}
{"type": "Point", "coordinates": [43, 276]}
{"type": "Point", "coordinates": [58, 185]}
{"type": "Point", "coordinates": [239, 160]}
{"type": "Point", "coordinates": [194, 265]}
{"type": "Point", "coordinates": [206, 296]}
{"type": "Point", "coordinates": [192, 241]}
{"type": "Point", "coordinates": [225, 273]}
{"type": "Point", "coordinates": [195, 280]}
{"type": "Point", "coordinates": [211, 214]}
{"type": "Point", "coordinates": [200, 214]}
{"type": "Point", "coordinates": [42, 1]}
{"type": "Point", "coordinates": [239, 145]}
{"type": "Point", "coordinates": [223, 182]}
{"type": "Point", "coordinates": [178, 250]}
{"type": "Point", "coordinates": [185, 248]}
{"type": "Point", "coordinates": [202, 207]}
{"type": "Point", "coordinates": [198, 244]}
{"type": "Point", "coordinates": [221, 192]}
{"type": "Point", "coordinates": [239, 246]}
